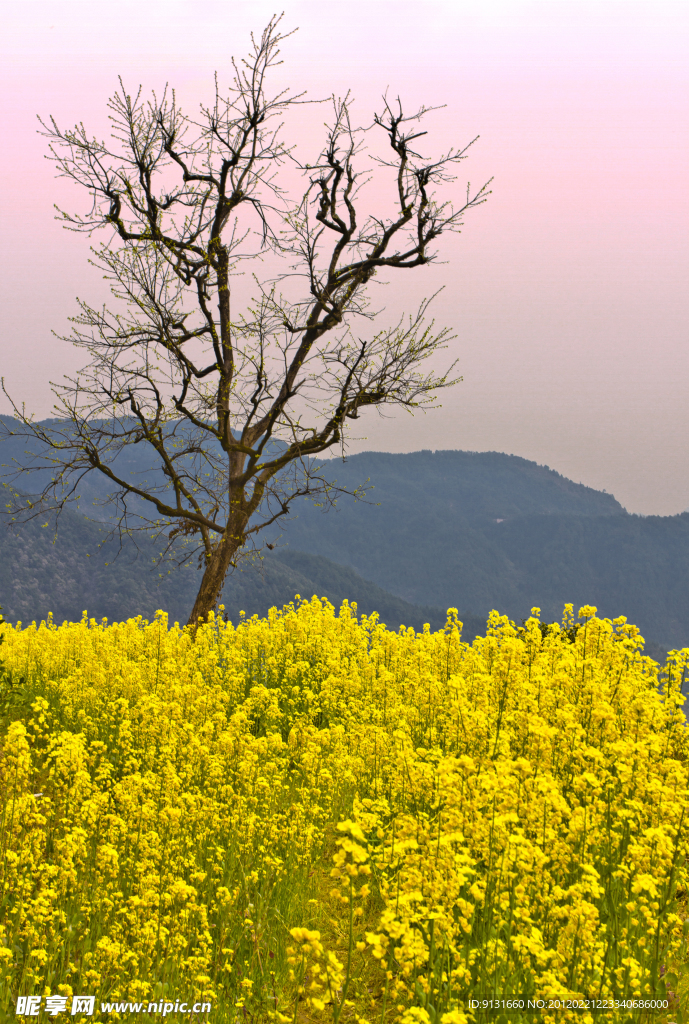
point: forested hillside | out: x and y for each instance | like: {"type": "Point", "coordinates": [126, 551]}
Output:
{"type": "Point", "coordinates": [483, 530]}
{"type": "Point", "coordinates": [475, 531]}
{"type": "Point", "coordinates": [78, 569]}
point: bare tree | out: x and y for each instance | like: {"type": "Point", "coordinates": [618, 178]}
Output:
{"type": "Point", "coordinates": [235, 406]}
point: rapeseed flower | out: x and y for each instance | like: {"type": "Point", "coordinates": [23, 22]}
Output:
{"type": "Point", "coordinates": [310, 810]}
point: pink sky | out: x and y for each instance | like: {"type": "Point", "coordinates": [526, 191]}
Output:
{"type": "Point", "coordinates": [567, 289]}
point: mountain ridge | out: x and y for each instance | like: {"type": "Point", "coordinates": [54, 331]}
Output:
{"type": "Point", "coordinates": [471, 530]}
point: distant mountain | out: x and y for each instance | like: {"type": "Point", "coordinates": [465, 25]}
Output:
{"type": "Point", "coordinates": [484, 530]}
{"type": "Point", "coordinates": [484, 485]}
{"type": "Point", "coordinates": [69, 573]}
{"type": "Point", "coordinates": [133, 463]}
{"type": "Point", "coordinates": [76, 571]}
{"type": "Point", "coordinates": [471, 530]}
{"type": "Point", "coordinates": [453, 483]}
{"type": "Point", "coordinates": [288, 572]}
{"type": "Point", "coordinates": [430, 522]}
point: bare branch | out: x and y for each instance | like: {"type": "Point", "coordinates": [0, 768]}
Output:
{"type": "Point", "coordinates": [235, 406]}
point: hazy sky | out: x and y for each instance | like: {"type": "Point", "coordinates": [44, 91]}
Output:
{"type": "Point", "coordinates": [567, 290]}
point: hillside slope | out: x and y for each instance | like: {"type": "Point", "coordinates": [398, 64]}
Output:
{"type": "Point", "coordinates": [70, 573]}
{"type": "Point", "coordinates": [483, 530]}
{"type": "Point", "coordinates": [470, 530]}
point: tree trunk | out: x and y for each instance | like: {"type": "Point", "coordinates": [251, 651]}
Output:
{"type": "Point", "coordinates": [214, 576]}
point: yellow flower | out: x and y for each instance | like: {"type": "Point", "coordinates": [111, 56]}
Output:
{"type": "Point", "coordinates": [180, 801]}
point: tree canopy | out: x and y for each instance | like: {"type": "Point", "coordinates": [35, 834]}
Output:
{"type": "Point", "coordinates": [236, 403]}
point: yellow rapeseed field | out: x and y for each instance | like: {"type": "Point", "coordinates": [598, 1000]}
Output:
{"type": "Point", "coordinates": [309, 817]}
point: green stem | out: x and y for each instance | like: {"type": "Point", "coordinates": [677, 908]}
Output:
{"type": "Point", "coordinates": [345, 987]}
{"type": "Point", "coordinates": [299, 984]}
{"type": "Point", "coordinates": [385, 996]}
